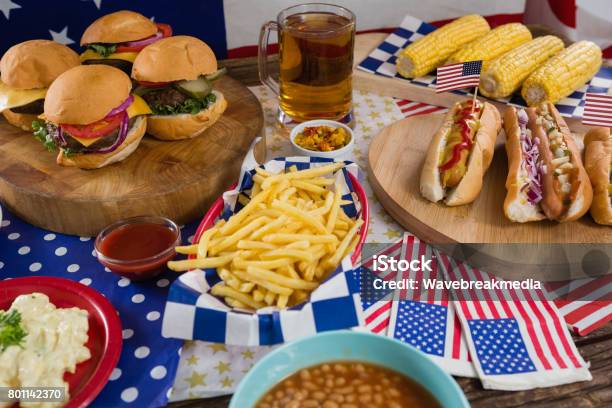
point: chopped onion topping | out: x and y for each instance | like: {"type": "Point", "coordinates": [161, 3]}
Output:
{"type": "Point", "coordinates": [531, 161]}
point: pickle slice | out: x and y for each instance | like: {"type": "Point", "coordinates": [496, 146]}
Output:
{"type": "Point", "coordinates": [198, 88]}
{"type": "Point", "coordinates": [217, 74]}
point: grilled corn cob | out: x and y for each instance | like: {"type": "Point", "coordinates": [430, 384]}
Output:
{"type": "Point", "coordinates": [429, 52]}
{"type": "Point", "coordinates": [563, 73]}
{"type": "Point", "coordinates": [495, 43]}
{"type": "Point", "coordinates": [506, 73]}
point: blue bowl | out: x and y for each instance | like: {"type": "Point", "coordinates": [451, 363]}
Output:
{"type": "Point", "coordinates": [347, 345]}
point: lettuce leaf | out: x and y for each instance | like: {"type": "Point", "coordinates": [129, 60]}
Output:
{"type": "Point", "coordinates": [103, 49]}
{"type": "Point", "coordinates": [190, 106]}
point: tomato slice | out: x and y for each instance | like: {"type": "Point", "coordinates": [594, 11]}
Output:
{"type": "Point", "coordinates": [96, 129]}
{"type": "Point", "coordinates": [148, 84]}
{"type": "Point", "coordinates": [165, 29]}
{"type": "Point", "coordinates": [127, 48]}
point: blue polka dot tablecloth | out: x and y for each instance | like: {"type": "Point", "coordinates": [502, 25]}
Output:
{"type": "Point", "coordinates": [147, 366]}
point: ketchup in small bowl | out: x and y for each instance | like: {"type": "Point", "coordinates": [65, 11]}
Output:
{"type": "Point", "coordinates": [138, 248]}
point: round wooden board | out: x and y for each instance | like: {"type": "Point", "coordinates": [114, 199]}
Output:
{"type": "Point", "coordinates": [178, 179]}
{"type": "Point", "coordinates": [396, 157]}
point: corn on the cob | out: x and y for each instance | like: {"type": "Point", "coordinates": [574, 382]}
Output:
{"type": "Point", "coordinates": [563, 73]}
{"type": "Point", "coordinates": [495, 43]}
{"type": "Point", "coordinates": [429, 52]}
{"type": "Point", "coordinates": [506, 73]}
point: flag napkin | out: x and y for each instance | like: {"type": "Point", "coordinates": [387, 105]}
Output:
{"type": "Point", "coordinates": [516, 337]}
{"type": "Point", "coordinates": [426, 319]}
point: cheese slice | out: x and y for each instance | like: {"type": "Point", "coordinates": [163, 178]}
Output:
{"type": "Point", "coordinates": [92, 55]}
{"type": "Point", "coordinates": [85, 142]}
{"type": "Point", "coordinates": [12, 98]}
{"type": "Point", "coordinates": [138, 107]}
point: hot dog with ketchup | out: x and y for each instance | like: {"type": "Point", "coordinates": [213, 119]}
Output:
{"type": "Point", "coordinates": [546, 178]}
{"type": "Point", "coordinates": [460, 153]}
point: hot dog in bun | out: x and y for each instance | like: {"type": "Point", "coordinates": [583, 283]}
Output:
{"type": "Point", "coordinates": [546, 178]}
{"type": "Point", "coordinates": [460, 153]}
{"type": "Point", "coordinates": [597, 161]}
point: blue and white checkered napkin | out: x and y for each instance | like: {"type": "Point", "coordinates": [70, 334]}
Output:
{"type": "Point", "coordinates": [193, 313]}
{"type": "Point", "coordinates": [381, 61]}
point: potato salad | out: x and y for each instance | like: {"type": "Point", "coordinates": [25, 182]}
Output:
{"type": "Point", "coordinates": [46, 342]}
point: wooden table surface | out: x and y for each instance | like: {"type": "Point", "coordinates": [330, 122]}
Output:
{"type": "Point", "coordinates": [595, 348]}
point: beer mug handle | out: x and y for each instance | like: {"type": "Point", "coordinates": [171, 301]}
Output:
{"type": "Point", "coordinates": [262, 56]}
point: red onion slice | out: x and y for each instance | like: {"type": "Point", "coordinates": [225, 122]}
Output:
{"type": "Point", "coordinates": [123, 131]}
{"type": "Point", "coordinates": [60, 137]}
{"type": "Point", "coordinates": [145, 41]}
{"type": "Point", "coordinates": [124, 105]}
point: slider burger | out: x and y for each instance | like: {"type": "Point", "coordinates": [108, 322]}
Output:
{"type": "Point", "coordinates": [597, 161]}
{"type": "Point", "coordinates": [26, 71]}
{"type": "Point", "coordinates": [460, 153]}
{"type": "Point", "coordinates": [117, 38]}
{"type": "Point", "coordinates": [546, 179]}
{"type": "Point", "coordinates": [91, 117]}
{"type": "Point", "coordinates": [175, 78]}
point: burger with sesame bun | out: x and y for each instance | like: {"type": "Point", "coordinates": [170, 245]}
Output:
{"type": "Point", "coordinates": [26, 71]}
{"type": "Point", "coordinates": [175, 77]}
{"type": "Point", "coordinates": [91, 117]}
{"type": "Point", "coordinates": [116, 39]}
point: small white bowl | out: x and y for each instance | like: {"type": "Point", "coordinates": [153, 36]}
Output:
{"type": "Point", "coordinates": [334, 154]}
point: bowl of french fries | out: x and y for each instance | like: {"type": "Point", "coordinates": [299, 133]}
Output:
{"type": "Point", "coordinates": [275, 240]}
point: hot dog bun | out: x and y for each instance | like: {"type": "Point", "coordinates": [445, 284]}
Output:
{"type": "Point", "coordinates": [516, 207]}
{"type": "Point", "coordinates": [479, 159]}
{"type": "Point", "coordinates": [584, 195]}
{"type": "Point", "coordinates": [552, 203]}
{"type": "Point", "coordinates": [597, 157]}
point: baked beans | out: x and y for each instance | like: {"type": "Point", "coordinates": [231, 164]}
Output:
{"type": "Point", "coordinates": [347, 384]}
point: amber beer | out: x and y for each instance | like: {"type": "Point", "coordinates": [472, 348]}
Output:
{"type": "Point", "coordinates": [316, 61]}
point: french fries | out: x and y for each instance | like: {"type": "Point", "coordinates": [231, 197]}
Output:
{"type": "Point", "coordinates": [289, 236]}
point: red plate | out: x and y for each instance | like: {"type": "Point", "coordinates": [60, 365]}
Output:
{"type": "Point", "coordinates": [104, 330]}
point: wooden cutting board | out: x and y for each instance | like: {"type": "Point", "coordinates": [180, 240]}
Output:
{"type": "Point", "coordinates": [178, 179]}
{"type": "Point", "coordinates": [396, 157]}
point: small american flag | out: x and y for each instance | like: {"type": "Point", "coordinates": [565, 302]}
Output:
{"type": "Point", "coordinates": [597, 110]}
{"type": "Point", "coordinates": [458, 76]}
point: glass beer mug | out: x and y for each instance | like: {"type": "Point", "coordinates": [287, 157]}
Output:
{"type": "Point", "coordinates": [316, 62]}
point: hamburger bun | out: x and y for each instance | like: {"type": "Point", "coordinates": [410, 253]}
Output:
{"type": "Point", "coordinates": [86, 94]}
{"type": "Point", "coordinates": [174, 59]}
{"type": "Point", "coordinates": [95, 160]}
{"type": "Point", "coordinates": [186, 126]}
{"type": "Point", "coordinates": [20, 120]}
{"type": "Point", "coordinates": [36, 63]}
{"type": "Point", "coordinates": [120, 26]}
